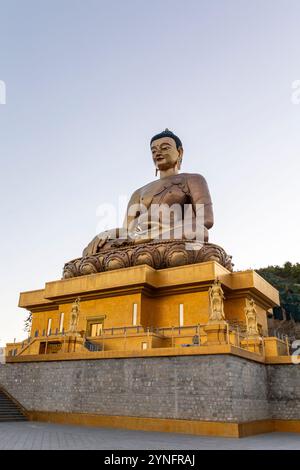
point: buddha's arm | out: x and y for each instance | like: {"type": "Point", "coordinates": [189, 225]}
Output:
{"type": "Point", "coordinates": [200, 195]}
{"type": "Point", "coordinates": [100, 240]}
{"type": "Point", "coordinates": [132, 212]}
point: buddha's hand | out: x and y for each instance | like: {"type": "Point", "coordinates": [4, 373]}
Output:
{"type": "Point", "coordinates": [95, 245]}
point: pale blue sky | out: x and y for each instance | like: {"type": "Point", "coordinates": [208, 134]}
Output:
{"type": "Point", "coordinates": [88, 84]}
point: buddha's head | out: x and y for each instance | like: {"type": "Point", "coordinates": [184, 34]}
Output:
{"type": "Point", "coordinates": [167, 151]}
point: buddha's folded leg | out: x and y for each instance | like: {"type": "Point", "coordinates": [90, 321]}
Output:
{"type": "Point", "coordinates": [100, 241]}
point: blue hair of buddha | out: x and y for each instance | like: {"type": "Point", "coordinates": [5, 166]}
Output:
{"type": "Point", "coordinates": [167, 133]}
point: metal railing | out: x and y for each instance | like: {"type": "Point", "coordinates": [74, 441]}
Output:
{"type": "Point", "coordinates": [235, 335]}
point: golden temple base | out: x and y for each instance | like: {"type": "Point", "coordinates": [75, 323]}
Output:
{"type": "Point", "coordinates": [140, 308]}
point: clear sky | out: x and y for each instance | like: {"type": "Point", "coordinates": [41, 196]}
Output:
{"type": "Point", "coordinates": [88, 82]}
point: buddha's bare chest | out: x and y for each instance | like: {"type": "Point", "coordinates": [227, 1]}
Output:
{"type": "Point", "coordinates": [171, 191]}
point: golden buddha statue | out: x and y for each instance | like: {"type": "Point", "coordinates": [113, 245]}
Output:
{"type": "Point", "coordinates": [166, 222]}
{"type": "Point", "coordinates": [145, 219]}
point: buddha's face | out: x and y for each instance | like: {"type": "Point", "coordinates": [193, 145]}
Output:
{"type": "Point", "coordinates": [165, 153]}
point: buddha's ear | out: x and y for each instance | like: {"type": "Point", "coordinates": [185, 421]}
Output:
{"type": "Point", "coordinates": [180, 152]}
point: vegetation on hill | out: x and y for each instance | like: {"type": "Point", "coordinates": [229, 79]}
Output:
{"type": "Point", "coordinates": [287, 280]}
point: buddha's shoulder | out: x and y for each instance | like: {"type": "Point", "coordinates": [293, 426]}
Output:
{"type": "Point", "coordinates": [192, 179]}
{"type": "Point", "coordinates": [192, 176]}
{"type": "Point", "coordinates": [149, 186]}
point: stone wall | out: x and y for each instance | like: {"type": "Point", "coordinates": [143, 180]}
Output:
{"type": "Point", "coordinates": [284, 391]}
{"type": "Point", "coordinates": [213, 388]}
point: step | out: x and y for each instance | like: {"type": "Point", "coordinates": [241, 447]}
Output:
{"type": "Point", "coordinates": [9, 411]}
{"type": "Point", "coordinates": [10, 408]}
{"type": "Point", "coordinates": [9, 415]}
{"type": "Point", "coordinates": [9, 405]}
{"type": "Point", "coordinates": [12, 417]}
{"type": "Point", "coordinates": [3, 420]}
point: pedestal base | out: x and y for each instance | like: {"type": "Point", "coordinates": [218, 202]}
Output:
{"type": "Point", "coordinates": [157, 254]}
{"type": "Point", "coordinates": [73, 343]}
{"type": "Point", "coordinates": [216, 333]}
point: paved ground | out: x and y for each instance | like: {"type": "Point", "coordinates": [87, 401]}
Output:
{"type": "Point", "coordinates": [31, 435]}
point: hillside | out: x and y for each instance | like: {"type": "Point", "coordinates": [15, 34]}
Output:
{"type": "Point", "coordinates": [287, 280]}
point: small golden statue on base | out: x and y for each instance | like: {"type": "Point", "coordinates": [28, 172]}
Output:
{"type": "Point", "coordinates": [253, 342]}
{"type": "Point", "coordinates": [74, 317]}
{"type": "Point", "coordinates": [251, 319]}
{"type": "Point", "coordinates": [216, 328]}
{"type": "Point", "coordinates": [216, 300]}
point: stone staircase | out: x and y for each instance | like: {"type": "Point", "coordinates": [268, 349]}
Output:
{"type": "Point", "coordinates": [9, 410]}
